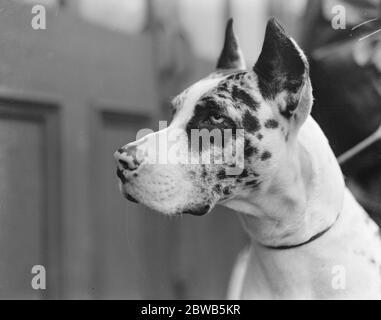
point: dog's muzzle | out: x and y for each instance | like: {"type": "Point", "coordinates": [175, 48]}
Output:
{"type": "Point", "coordinates": [166, 187]}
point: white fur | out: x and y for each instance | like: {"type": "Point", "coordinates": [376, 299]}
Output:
{"type": "Point", "coordinates": [307, 272]}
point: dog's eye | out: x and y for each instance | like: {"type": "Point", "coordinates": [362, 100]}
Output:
{"type": "Point", "coordinates": [217, 118]}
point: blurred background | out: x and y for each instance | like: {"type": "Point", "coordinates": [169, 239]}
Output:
{"type": "Point", "coordinates": [75, 91]}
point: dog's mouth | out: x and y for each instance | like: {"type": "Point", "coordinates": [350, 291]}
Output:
{"type": "Point", "coordinates": [123, 180]}
{"type": "Point", "coordinates": [194, 211]}
{"type": "Point", "coordinates": [130, 197]}
{"type": "Point", "coordinates": [121, 176]}
{"type": "Point", "coordinates": [198, 211]}
{"type": "Point", "coordinates": [160, 190]}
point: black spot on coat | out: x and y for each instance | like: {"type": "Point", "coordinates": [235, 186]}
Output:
{"type": "Point", "coordinates": [265, 155]}
{"type": "Point", "coordinates": [217, 188]}
{"type": "Point", "coordinates": [226, 191]}
{"type": "Point", "coordinates": [250, 122]}
{"type": "Point", "coordinates": [221, 174]}
{"type": "Point", "coordinates": [236, 76]}
{"type": "Point", "coordinates": [210, 102]}
{"type": "Point", "coordinates": [223, 87]}
{"type": "Point", "coordinates": [271, 124]}
{"type": "Point", "coordinates": [244, 174]}
{"type": "Point", "coordinates": [242, 96]}
{"type": "Point", "coordinates": [253, 183]}
{"type": "Point", "coordinates": [248, 149]}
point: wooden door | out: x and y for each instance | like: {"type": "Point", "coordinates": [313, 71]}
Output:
{"type": "Point", "coordinates": [69, 96]}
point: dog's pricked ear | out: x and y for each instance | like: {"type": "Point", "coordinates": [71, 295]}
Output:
{"type": "Point", "coordinates": [281, 64]}
{"type": "Point", "coordinates": [281, 67]}
{"type": "Point", "coordinates": [231, 56]}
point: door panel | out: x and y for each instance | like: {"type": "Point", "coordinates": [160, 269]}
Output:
{"type": "Point", "coordinates": [29, 197]}
{"type": "Point", "coordinates": [21, 205]}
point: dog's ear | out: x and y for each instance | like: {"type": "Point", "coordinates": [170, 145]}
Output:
{"type": "Point", "coordinates": [231, 56]}
{"type": "Point", "coordinates": [283, 73]}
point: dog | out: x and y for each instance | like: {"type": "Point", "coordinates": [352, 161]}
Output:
{"type": "Point", "coordinates": [310, 239]}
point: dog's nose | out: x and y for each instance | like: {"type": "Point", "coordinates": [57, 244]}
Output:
{"type": "Point", "coordinates": [128, 158]}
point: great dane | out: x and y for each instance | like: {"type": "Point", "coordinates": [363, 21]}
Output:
{"type": "Point", "coordinates": [310, 239]}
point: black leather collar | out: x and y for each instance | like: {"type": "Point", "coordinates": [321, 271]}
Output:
{"type": "Point", "coordinates": [314, 237]}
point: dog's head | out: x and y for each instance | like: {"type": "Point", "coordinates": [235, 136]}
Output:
{"type": "Point", "coordinates": [253, 116]}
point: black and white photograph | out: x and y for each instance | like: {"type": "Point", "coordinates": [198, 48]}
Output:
{"type": "Point", "coordinates": [209, 151]}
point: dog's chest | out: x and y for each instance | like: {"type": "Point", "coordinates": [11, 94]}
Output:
{"type": "Point", "coordinates": [345, 264]}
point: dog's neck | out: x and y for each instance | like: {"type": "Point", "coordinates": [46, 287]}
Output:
{"type": "Point", "coordinates": [303, 198]}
